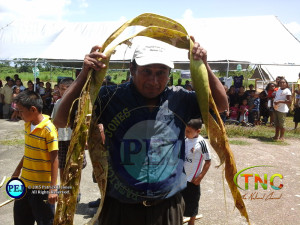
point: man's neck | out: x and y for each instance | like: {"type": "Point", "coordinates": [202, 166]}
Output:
{"type": "Point", "coordinates": [152, 103]}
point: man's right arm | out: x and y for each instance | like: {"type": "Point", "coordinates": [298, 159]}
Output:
{"type": "Point", "coordinates": [91, 61]}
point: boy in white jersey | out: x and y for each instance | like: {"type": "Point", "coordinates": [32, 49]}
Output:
{"type": "Point", "coordinates": [197, 153]}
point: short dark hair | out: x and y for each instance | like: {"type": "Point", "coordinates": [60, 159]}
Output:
{"type": "Point", "coordinates": [195, 124]}
{"type": "Point", "coordinates": [28, 99]}
{"type": "Point", "coordinates": [133, 65]}
{"type": "Point", "coordinates": [66, 81]}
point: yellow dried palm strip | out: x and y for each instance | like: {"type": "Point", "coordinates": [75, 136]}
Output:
{"type": "Point", "coordinates": [146, 20]}
{"type": "Point", "coordinates": [215, 128]}
{"type": "Point", "coordinates": [66, 205]}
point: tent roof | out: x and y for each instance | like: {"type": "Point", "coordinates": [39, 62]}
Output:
{"type": "Point", "coordinates": [257, 39]}
{"type": "Point", "coordinates": [270, 72]}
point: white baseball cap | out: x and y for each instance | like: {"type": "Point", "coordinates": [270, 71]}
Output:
{"type": "Point", "coordinates": [152, 54]}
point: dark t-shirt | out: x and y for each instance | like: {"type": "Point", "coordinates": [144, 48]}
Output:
{"type": "Point", "coordinates": [238, 81]}
{"type": "Point", "coordinates": [146, 148]}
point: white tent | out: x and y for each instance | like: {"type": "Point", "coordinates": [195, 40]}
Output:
{"type": "Point", "coordinates": [290, 73]}
{"type": "Point", "coordinates": [257, 40]}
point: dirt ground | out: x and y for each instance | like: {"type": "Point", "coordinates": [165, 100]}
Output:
{"type": "Point", "coordinates": [268, 206]}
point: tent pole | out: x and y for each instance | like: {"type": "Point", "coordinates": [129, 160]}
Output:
{"type": "Point", "coordinates": [227, 68]}
{"type": "Point", "coordinates": [34, 86]}
{"type": "Point", "coordinates": [51, 72]}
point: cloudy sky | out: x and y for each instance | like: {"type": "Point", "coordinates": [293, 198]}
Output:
{"type": "Point", "coordinates": [287, 11]}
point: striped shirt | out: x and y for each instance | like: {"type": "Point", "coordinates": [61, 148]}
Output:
{"type": "Point", "coordinates": [196, 150]}
{"type": "Point", "coordinates": [38, 145]}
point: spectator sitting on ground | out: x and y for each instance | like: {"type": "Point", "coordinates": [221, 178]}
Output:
{"type": "Point", "coordinates": [41, 90]}
{"type": "Point", "coordinates": [234, 112]}
{"type": "Point", "coordinates": [244, 112]}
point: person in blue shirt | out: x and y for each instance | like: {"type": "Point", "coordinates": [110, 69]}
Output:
{"type": "Point", "coordinates": [144, 123]}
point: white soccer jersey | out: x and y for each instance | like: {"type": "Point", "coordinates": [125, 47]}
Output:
{"type": "Point", "coordinates": [196, 150]}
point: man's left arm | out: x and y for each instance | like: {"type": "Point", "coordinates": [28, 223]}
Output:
{"type": "Point", "coordinates": [217, 88]}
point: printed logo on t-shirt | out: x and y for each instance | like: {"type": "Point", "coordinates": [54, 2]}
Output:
{"type": "Point", "coordinates": [150, 156]}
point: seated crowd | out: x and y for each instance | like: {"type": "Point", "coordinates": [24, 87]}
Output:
{"type": "Point", "coordinates": [251, 107]}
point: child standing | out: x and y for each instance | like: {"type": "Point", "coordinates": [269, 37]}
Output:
{"type": "Point", "coordinates": [64, 134]}
{"type": "Point", "coordinates": [14, 116]}
{"type": "Point", "coordinates": [254, 108]}
{"type": "Point", "coordinates": [39, 164]}
{"type": "Point", "coordinates": [281, 102]}
{"type": "Point", "coordinates": [196, 152]}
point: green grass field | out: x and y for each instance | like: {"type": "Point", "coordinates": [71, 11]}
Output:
{"type": "Point", "coordinates": [261, 133]}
